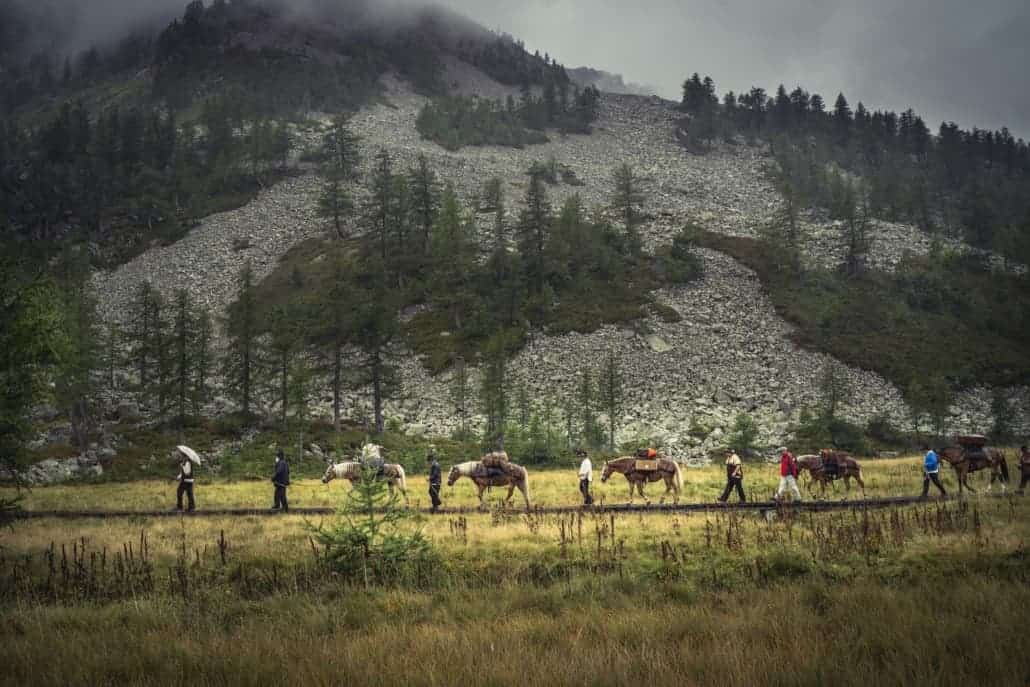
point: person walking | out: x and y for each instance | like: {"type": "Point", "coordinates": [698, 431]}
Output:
{"type": "Point", "coordinates": [586, 476]}
{"type": "Point", "coordinates": [1024, 468]}
{"type": "Point", "coordinates": [931, 472]}
{"type": "Point", "coordinates": [788, 474]}
{"type": "Point", "coordinates": [435, 479]}
{"type": "Point", "coordinates": [734, 477]}
{"type": "Point", "coordinates": [185, 479]}
{"type": "Point", "coordinates": [281, 480]}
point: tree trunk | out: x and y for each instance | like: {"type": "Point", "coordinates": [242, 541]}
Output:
{"type": "Point", "coordinates": [337, 373]}
{"type": "Point", "coordinates": [377, 391]}
{"type": "Point", "coordinates": [283, 390]}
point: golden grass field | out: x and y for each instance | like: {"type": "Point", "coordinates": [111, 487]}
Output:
{"type": "Point", "coordinates": [551, 487]}
{"type": "Point", "coordinates": [929, 594]}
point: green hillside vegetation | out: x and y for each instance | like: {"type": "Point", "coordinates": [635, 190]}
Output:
{"type": "Point", "coordinates": [944, 321]}
{"type": "Point", "coordinates": [935, 317]}
{"type": "Point", "coordinates": [472, 298]}
{"type": "Point", "coordinates": [457, 121]}
{"type": "Point", "coordinates": [135, 141]}
{"type": "Point", "coordinates": [972, 184]}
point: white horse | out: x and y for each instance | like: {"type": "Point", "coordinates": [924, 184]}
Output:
{"type": "Point", "coordinates": [479, 474]}
{"type": "Point", "coordinates": [354, 471]}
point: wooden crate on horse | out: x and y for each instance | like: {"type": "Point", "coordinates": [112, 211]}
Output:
{"type": "Point", "coordinates": [646, 465]}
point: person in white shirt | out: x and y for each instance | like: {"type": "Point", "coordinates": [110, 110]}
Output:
{"type": "Point", "coordinates": [185, 479]}
{"type": "Point", "coordinates": [586, 476]}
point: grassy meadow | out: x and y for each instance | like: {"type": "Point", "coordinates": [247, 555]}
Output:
{"type": "Point", "coordinates": [548, 487]}
{"type": "Point", "coordinates": [929, 594]}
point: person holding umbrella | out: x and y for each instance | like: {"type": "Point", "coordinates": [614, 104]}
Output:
{"type": "Point", "coordinates": [281, 480]}
{"type": "Point", "coordinates": [188, 458]}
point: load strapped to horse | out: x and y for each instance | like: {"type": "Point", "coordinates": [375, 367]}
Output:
{"type": "Point", "coordinates": [647, 460]}
{"type": "Point", "coordinates": [973, 446]}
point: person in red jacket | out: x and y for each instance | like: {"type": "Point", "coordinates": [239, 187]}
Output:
{"type": "Point", "coordinates": [788, 474]}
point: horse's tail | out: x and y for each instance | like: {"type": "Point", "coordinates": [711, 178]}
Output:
{"type": "Point", "coordinates": [402, 481]}
{"type": "Point", "coordinates": [677, 477]}
{"type": "Point", "coordinates": [1004, 465]}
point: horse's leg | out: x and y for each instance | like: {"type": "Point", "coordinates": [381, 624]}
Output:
{"type": "Point", "coordinates": [632, 486]}
{"type": "Point", "coordinates": [482, 488]}
{"type": "Point", "coordinates": [511, 490]}
{"type": "Point", "coordinates": [525, 493]}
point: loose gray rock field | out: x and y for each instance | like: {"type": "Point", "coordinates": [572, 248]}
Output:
{"type": "Point", "coordinates": [730, 353]}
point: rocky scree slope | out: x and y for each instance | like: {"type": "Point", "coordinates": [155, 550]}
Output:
{"type": "Point", "coordinates": [730, 353]}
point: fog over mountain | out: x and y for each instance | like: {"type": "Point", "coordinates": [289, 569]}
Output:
{"type": "Point", "coordinates": [949, 59]}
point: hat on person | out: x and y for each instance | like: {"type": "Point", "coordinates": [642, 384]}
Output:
{"type": "Point", "coordinates": [581, 452]}
{"type": "Point", "coordinates": [279, 454]}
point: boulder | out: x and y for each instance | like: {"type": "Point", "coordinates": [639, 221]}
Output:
{"type": "Point", "coordinates": [128, 411]}
{"type": "Point", "coordinates": [657, 344]}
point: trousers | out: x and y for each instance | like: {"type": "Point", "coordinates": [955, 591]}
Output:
{"type": "Point", "coordinates": [932, 477]}
{"type": "Point", "coordinates": [434, 495]}
{"type": "Point", "coordinates": [584, 488]}
{"type": "Point", "coordinates": [731, 482]}
{"type": "Point", "coordinates": [788, 482]}
{"type": "Point", "coordinates": [279, 500]}
{"type": "Point", "coordinates": [187, 489]}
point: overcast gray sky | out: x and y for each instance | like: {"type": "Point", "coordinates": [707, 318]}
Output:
{"type": "Point", "coordinates": [959, 60]}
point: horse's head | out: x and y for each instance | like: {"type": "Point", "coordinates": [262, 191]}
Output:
{"type": "Point", "coordinates": [607, 472]}
{"type": "Point", "coordinates": [453, 476]}
{"type": "Point", "coordinates": [824, 453]}
{"type": "Point", "coordinates": [330, 473]}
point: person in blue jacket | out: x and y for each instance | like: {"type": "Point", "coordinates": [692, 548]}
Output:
{"type": "Point", "coordinates": [931, 472]}
{"type": "Point", "coordinates": [281, 480]}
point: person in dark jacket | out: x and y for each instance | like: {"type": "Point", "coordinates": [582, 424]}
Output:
{"type": "Point", "coordinates": [435, 479]}
{"type": "Point", "coordinates": [281, 480]}
{"type": "Point", "coordinates": [734, 477]}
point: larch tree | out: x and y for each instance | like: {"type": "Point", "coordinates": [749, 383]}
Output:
{"type": "Point", "coordinates": [242, 330]}
{"type": "Point", "coordinates": [610, 387]}
{"type": "Point", "coordinates": [533, 229]}
{"type": "Point", "coordinates": [627, 200]}
{"type": "Point", "coordinates": [424, 188]}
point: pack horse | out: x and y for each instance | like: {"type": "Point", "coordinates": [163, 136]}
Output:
{"type": "Point", "coordinates": [353, 471]}
{"type": "Point", "coordinates": [493, 470]}
{"type": "Point", "coordinates": [639, 471]}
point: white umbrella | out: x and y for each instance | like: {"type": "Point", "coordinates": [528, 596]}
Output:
{"type": "Point", "coordinates": [189, 453]}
